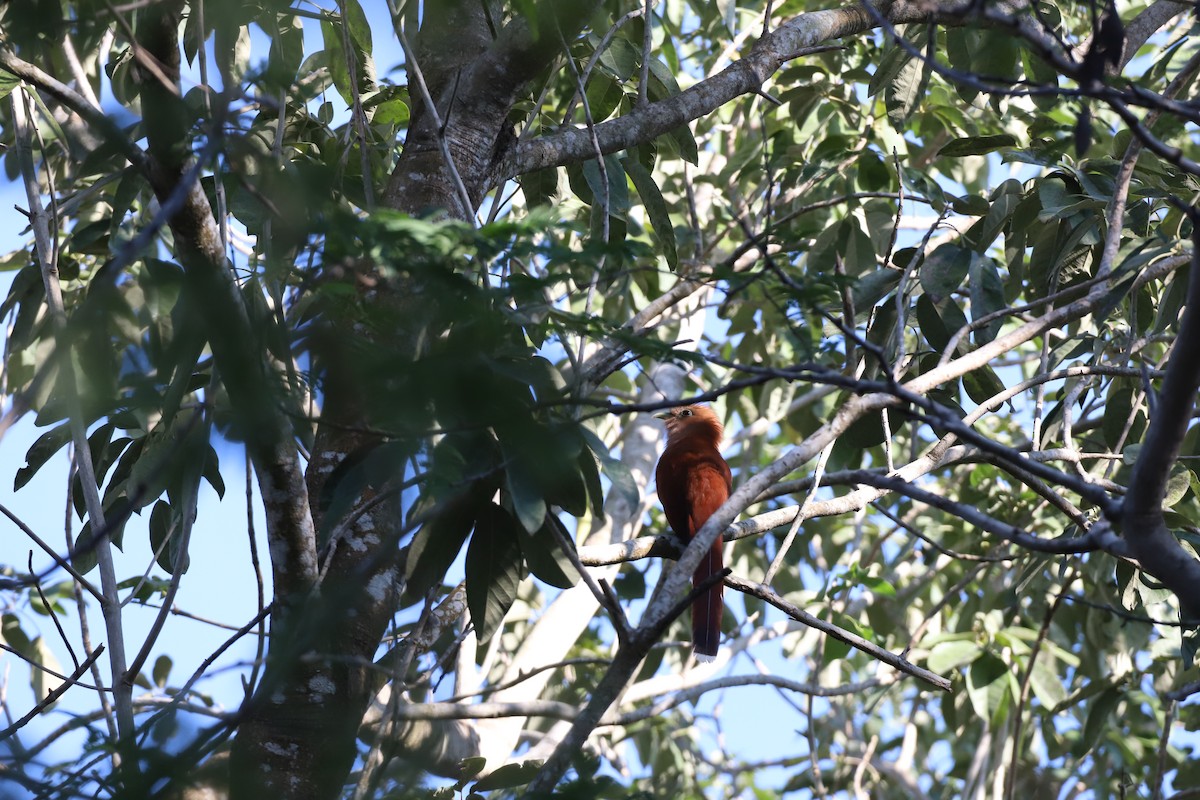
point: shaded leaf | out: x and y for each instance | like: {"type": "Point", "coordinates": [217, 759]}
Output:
{"type": "Point", "coordinates": [494, 570]}
{"type": "Point", "coordinates": [544, 555]}
{"type": "Point", "coordinates": [508, 776]}
{"type": "Point", "coordinates": [976, 145]}
{"type": "Point", "coordinates": [656, 209]}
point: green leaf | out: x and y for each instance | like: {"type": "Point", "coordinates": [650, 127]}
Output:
{"type": "Point", "coordinates": [891, 60]}
{"type": "Point", "coordinates": [232, 49]}
{"type": "Point", "coordinates": [13, 636]}
{"type": "Point", "coordinates": [603, 95]}
{"type": "Point", "coordinates": [836, 649]}
{"type": "Point", "coordinates": [526, 496]}
{"type": "Point", "coordinates": [44, 681]}
{"type": "Point", "coordinates": [544, 555]}
{"type": "Point", "coordinates": [612, 195]}
{"type": "Point", "coordinates": [161, 671]}
{"type": "Point", "coordinates": [166, 532]}
{"type": "Point", "coordinates": [8, 82]}
{"type": "Point", "coordinates": [1046, 683]}
{"type": "Point", "coordinates": [539, 186]}
{"type": "Point", "coordinates": [988, 686]}
{"type": "Point", "coordinates": [440, 539]}
{"type": "Point", "coordinates": [339, 61]}
{"type": "Point", "coordinates": [509, 776]}
{"type": "Point", "coordinates": [356, 21]}
{"type": "Point", "coordinates": [623, 486]}
{"type": "Point", "coordinates": [946, 656]}
{"type": "Point", "coordinates": [976, 145]}
{"type": "Point", "coordinates": [1190, 644]}
{"type": "Point", "coordinates": [944, 271]}
{"type": "Point", "coordinates": [470, 767]}
{"type": "Point", "coordinates": [591, 478]}
{"type": "Point", "coordinates": [873, 287]}
{"type": "Point", "coordinates": [662, 81]}
{"type": "Point", "coordinates": [40, 452]}
{"type": "Point", "coordinates": [656, 209]}
{"type": "Point", "coordinates": [393, 112]}
{"type": "Point", "coordinates": [907, 90]}
{"type": "Point", "coordinates": [287, 49]}
{"type": "Point", "coordinates": [152, 471]}
{"type": "Point", "coordinates": [1098, 719]}
{"type": "Point", "coordinates": [494, 570]}
{"type": "Point", "coordinates": [982, 384]}
{"type": "Point", "coordinates": [728, 11]}
{"type": "Point", "coordinates": [987, 296]}
{"type": "Point", "coordinates": [939, 321]}
{"type": "Point", "coordinates": [1177, 486]}
{"type": "Point", "coordinates": [683, 142]}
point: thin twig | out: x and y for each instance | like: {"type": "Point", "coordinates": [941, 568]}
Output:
{"type": "Point", "coordinates": [52, 696]}
{"type": "Point", "coordinates": [844, 636]}
{"type": "Point", "coordinates": [45, 247]}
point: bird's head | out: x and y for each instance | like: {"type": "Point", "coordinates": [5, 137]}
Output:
{"type": "Point", "coordinates": [692, 420]}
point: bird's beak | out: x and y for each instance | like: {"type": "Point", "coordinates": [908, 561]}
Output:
{"type": "Point", "coordinates": [663, 415]}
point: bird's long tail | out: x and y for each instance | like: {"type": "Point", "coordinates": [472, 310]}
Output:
{"type": "Point", "coordinates": [708, 607]}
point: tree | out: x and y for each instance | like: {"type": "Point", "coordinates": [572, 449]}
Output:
{"type": "Point", "coordinates": [931, 262]}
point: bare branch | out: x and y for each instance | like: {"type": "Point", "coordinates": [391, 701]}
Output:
{"type": "Point", "coordinates": [1142, 522]}
{"type": "Point", "coordinates": [842, 635]}
{"type": "Point", "coordinates": [52, 696]}
{"type": "Point", "coordinates": [47, 253]}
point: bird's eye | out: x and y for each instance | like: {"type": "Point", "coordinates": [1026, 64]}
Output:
{"type": "Point", "coordinates": [687, 412]}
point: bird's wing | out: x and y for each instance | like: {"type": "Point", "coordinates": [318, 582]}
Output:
{"type": "Point", "coordinates": [708, 486]}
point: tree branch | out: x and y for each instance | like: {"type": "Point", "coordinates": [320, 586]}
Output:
{"type": "Point", "coordinates": [788, 41]}
{"type": "Point", "coordinates": [1142, 522]}
{"type": "Point", "coordinates": [53, 695]}
{"type": "Point", "coordinates": [844, 636]}
{"type": "Point", "coordinates": [47, 255]}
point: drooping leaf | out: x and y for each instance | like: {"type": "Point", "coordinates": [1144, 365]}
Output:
{"type": "Point", "coordinates": [40, 452]}
{"type": "Point", "coordinates": [944, 270]}
{"type": "Point", "coordinates": [494, 569]}
{"type": "Point", "coordinates": [544, 554]}
{"type": "Point", "coordinates": [656, 209]}
{"type": "Point", "coordinates": [509, 776]}
{"type": "Point", "coordinates": [449, 520]}
{"type": "Point", "coordinates": [976, 145]}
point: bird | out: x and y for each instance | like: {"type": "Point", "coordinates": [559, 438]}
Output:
{"type": "Point", "coordinates": [693, 481]}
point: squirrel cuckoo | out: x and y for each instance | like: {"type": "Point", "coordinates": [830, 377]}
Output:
{"type": "Point", "coordinates": [693, 482]}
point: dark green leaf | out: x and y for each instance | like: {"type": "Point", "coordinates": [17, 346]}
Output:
{"type": "Point", "coordinates": [609, 190]}
{"type": "Point", "coordinates": [544, 555]}
{"type": "Point", "coordinates": [441, 537]}
{"type": "Point", "coordinates": [987, 296]}
{"type": "Point", "coordinates": [40, 452]}
{"type": "Point", "coordinates": [976, 145]}
{"type": "Point", "coordinates": [873, 287]}
{"type": "Point", "coordinates": [1098, 720]}
{"type": "Point", "coordinates": [944, 271]}
{"type": "Point", "coordinates": [656, 209]}
{"type": "Point", "coordinates": [161, 671]}
{"type": "Point", "coordinates": [907, 90]}
{"type": "Point", "coordinates": [8, 82]}
{"type": "Point", "coordinates": [526, 494]}
{"type": "Point", "coordinates": [509, 776]}
{"type": "Point", "coordinates": [494, 570]}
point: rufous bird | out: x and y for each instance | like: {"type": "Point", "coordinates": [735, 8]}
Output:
{"type": "Point", "coordinates": [693, 482]}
